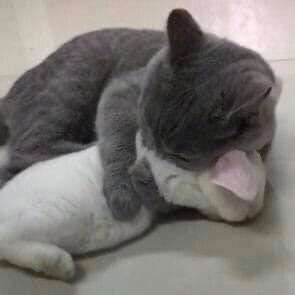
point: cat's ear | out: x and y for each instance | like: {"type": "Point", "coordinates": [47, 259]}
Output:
{"type": "Point", "coordinates": [184, 34]}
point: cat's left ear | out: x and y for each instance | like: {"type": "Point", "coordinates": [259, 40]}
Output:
{"type": "Point", "coordinates": [184, 34]}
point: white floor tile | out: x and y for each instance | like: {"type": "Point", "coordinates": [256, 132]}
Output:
{"type": "Point", "coordinates": [31, 29]}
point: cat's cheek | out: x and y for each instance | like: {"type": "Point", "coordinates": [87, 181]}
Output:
{"type": "Point", "coordinates": [257, 206]}
{"type": "Point", "coordinates": [267, 128]}
{"type": "Point", "coordinates": [232, 209]}
{"type": "Point", "coordinates": [228, 207]}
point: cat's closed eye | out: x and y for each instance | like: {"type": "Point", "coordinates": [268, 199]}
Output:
{"type": "Point", "coordinates": [228, 134]}
{"type": "Point", "coordinates": [178, 157]}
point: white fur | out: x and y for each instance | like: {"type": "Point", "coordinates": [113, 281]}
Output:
{"type": "Point", "coordinates": [190, 189]}
{"type": "Point", "coordinates": [57, 207]}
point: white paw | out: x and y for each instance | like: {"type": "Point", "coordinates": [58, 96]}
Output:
{"type": "Point", "coordinates": [55, 263]}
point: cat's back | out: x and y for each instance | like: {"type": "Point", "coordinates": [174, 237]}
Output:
{"type": "Point", "coordinates": [138, 44]}
{"type": "Point", "coordinates": [99, 52]}
{"type": "Point", "coordinates": [70, 81]}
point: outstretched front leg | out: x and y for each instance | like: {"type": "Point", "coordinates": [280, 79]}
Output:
{"type": "Point", "coordinates": [116, 128]}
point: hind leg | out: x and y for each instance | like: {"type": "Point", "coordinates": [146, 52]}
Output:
{"type": "Point", "coordinates": [28, 240]}
{"type": "Point", "coordinates": [22, 244]}
{"type": "Point", "coordinates": [39, 257]}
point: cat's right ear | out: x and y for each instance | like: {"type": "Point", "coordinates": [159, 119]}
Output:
{"type": "Point", "coordinates": [184, 34]}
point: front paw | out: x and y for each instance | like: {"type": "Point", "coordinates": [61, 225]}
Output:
{"type": "Point", "coordinates": [122, 200]}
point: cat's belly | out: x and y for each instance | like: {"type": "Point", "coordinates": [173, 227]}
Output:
{"type": "Point", "coordinates": [61, 202]}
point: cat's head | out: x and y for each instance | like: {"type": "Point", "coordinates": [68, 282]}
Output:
{"type": "Point", "coordinates": [204, 95]}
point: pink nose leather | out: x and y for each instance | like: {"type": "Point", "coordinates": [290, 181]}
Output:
{"type": "Point", "coordinates": [234, 172]}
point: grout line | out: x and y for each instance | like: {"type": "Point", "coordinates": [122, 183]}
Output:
{"type": "Point", "coordinates": [282, 59]}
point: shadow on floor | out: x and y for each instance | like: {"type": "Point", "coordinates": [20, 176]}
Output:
{"type": "Point", "coordinates": [251, 249]}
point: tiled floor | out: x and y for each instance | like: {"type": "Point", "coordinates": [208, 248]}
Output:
{"type": "Point", "coordinates": [185, 257]}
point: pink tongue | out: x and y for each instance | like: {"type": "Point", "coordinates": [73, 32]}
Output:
{"type": "Point", "coordinates": [235, 172]}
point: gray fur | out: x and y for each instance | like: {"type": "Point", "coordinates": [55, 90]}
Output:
{"type": "Point", "coordinates": [51, 109]}
{"type": "Point", "coordinates": [145, 185]}
{"type": "Point", "coordinates": [117, 126]}
{"type": "Point", "coordinates": [207, 101]}
{"type": "Point", "coordinates": [193, 95]}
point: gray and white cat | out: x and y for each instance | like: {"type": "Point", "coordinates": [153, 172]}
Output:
{"type": "Point", "coordinates": [56, 208]}
{"type": "Point", "coordinates": [197, 97]}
